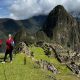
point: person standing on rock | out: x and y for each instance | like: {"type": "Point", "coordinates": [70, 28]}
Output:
{"type": "Point", "coordinates": [9, 48]}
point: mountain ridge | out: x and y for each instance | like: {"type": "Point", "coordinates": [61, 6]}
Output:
{"type": "Point", "coordinates": [62, 28]}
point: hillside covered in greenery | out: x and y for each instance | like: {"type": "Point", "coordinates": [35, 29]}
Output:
{"type": "Point", "coordinates": [29, 70]}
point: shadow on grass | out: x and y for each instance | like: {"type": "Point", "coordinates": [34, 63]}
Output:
{"type": "Point", "coordinates": [1, 56]}
{"type": "Point", "coordinates": [1, 59]}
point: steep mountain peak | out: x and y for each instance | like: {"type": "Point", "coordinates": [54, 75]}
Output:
{"type": "Point", "coordinates": [62, 28]}
{"type": "Point", "coordinates": [59, 8]}
{"type": "Point", "coordinates": [59, 11]}
{"type": "Point", "coordinates": [58, 18]}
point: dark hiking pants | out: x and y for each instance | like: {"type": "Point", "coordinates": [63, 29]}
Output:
{"type": "Point", "coordinates": [10, 54]}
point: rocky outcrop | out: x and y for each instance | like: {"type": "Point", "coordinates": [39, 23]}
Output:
{"type": "Point", "coordinates": [48, 49]}
{"type": "Point", "coordinates": [47, 66]}
{"type": "Point", "coordinates": [21, 47]}
{"type": "Point", "coordinates": [74, 67]}
{"type": "Point", "coordinates": [70, 58]}
{"type": "Point", "coordinates": [67, 56]}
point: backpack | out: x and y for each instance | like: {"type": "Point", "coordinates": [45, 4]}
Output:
{"type": "Point", "coordinates": [12, 44]}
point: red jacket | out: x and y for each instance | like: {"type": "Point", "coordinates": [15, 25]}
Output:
{"type": "Point", "coordinates": [8, 43]}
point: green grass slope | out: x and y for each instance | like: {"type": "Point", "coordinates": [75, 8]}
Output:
{"type": "Point", "coordinates": [18, 71]}
{"type": "Point", "coordinates": [64, 72]}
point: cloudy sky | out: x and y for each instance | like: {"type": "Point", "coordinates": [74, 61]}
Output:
{"type": "Point", "coordinates": [24, 9]}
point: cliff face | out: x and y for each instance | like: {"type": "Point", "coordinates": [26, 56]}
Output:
{"type": "Point", "coordinates": [62, 28]}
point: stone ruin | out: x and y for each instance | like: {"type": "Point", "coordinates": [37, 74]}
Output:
{"type": "Point", "coordinates": [64, 56]}
{"type": "Point", "coordinates": [21, 47]}
{"type": "Point", "coordinates": [54, 50]}
{"type": "Point", "coordinates": [68, 57]}
{"type": "Point", "coordinates": [74, 67]}
{"type": "Point", "coordinates": [76, 57]}
{"type": "Point", "coordinates": [59, 54]}
{"type": "Point", "coordinates": [47, 66]}
{"type": "Point", "coordinates": [47, 48]}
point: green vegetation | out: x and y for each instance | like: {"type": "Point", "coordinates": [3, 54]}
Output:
{"type": "Point", "coordinates": [64, 72]}
{"type": "Point", "coordinates": [18, 71]}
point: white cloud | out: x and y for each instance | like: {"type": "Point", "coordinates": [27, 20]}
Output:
{"type": "Point", "coordinates": [23, 9]}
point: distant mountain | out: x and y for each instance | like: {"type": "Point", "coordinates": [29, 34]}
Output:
{"type": "Point", "coordinates": [12, 26]}
{"type": "Point", "coordinates": [62, 28]}
{"type": "Point", "coordinates": [35, 23]}
{"type": "Point", "coordinates": [20, 27]}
